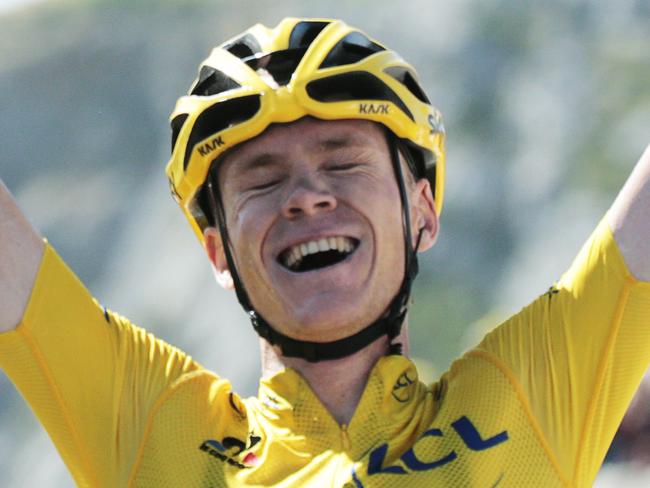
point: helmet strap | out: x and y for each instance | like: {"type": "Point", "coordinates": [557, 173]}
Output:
{"type": "Point", "coordinates": [389, 324]}
{"type": "Point", "coordinates": [214, 197]}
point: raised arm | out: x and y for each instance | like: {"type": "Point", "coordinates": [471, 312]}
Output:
{"type": "Point", "coordinates": [629, 219]}
{"type": "Point", "coordinates": [21, 250]}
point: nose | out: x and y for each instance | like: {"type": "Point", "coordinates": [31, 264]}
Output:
{"type": "Point", "coordinates": [307, 199]}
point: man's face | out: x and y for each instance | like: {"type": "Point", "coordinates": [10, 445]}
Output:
{"type": "Point", "coordinates": [315, 220]}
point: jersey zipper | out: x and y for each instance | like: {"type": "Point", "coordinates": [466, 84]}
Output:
{"type": "Point", "coordinates": [343, 463]}
{"type": "Point", "coordinates": [345, 437]}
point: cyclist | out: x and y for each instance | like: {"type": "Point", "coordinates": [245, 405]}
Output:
{"type": "Point", "coordinates": [310, 165]}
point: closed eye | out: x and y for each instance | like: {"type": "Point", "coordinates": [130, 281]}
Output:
{"type": "Point", "coordinates": [264, 186]}
{"type": "Point", "coordinates": [342, 167]}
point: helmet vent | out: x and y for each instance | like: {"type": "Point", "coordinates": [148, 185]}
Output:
{"type": "Point", "coordinates": [212, 81]}
{"type": "Point", "coordinates": [351, 49]}
{"type": "Point", "coordinates": [356, 85]}
{"type": "Point", "coordinates": [244, 46]}
{"type": "Point", "coordinates": [304, 33]}
{"type": "Point", "coordinates": [220, 116]}
{"type": "Point", "coordinates": [177, 124]}
{"type": "Point", "coordinates": [406, 78]}
{"type": "Point", "coordinates": [279, 64]}
{"type": "Point", "coordinates": [282, 64]}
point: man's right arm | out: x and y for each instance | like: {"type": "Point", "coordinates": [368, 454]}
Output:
{"type": "Point", "coordinates": [21, 251]}
{"type": "Point", "coordinates": [90, 376]}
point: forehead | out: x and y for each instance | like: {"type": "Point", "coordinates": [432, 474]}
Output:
{"type": "Point", "coordinates": [305, 137]}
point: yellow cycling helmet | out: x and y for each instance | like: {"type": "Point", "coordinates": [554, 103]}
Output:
{"type": "Point", "coordinates": [303, 67]}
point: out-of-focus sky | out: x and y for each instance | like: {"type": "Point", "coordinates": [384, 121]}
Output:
{"type": "Point", "coordinates": [9, 5]}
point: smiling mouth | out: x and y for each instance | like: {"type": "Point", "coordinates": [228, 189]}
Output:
{"type": "Point", "coordinates": [317, 254]}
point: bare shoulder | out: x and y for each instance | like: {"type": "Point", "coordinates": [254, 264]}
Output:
{"type": "Point", "coordinates": [629, 218]}
{"type": "Point", "coordinates": [21, 251]}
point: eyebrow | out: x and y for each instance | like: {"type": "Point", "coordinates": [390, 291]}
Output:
{"type": "Point", "coordinates": [258, 161]}
{"type": "Point", "coordinates": [348, 139]}
{"type": "Point", "coordinates": [338, 142]}
{"type": "Point", "coordinates": [269, 159]}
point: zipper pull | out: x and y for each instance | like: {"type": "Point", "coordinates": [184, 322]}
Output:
{"type": "Point", "coordinates": [345, 437]}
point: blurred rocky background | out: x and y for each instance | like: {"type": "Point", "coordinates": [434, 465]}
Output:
{"type": "Point", "coordinates": [547, 108]}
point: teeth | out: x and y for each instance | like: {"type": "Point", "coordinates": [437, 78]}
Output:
{"type": "Point", "coordinates": [294, 255]}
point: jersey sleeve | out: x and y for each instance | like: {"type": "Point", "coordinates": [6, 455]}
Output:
{"type": "Point", "coordinates": [90, 376]}
{"type": "Point", "coordinates": [578, 354]}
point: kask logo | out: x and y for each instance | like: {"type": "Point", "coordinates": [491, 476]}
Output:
{"type": "Point", "coordinates": [373, 108]}
{"type": "Point", "coordinates": [230, 448]}
{"type": "Point", "coordinates": [208, 147]}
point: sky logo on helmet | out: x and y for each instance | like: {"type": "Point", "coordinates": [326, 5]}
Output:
{"type": "Point", "coordinates": [435, 123]}
{"type": "Point", "coordinates": [208, 147]}
{"type": "Point", "coordinates": [174, 191]}
{"type": "Point", "coordinates": [373, 108]}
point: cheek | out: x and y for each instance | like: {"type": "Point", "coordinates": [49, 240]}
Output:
{"type": "Point", "coordinates": [248, 224]}
{"type": "Point", "coordinates": [384, 198]}
{"type": "Point", "coordinates": [369, 190]}
{"type": "Point", "coordinates": [387, 210]}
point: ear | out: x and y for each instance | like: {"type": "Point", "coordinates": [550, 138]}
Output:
{"type": "Point", "coordinates": [423, 215]}
{"type": "Point", "coordinates": [214, 248]}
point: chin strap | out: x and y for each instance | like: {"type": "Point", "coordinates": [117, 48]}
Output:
{"type": "Point", "coordinates": [389, 324]}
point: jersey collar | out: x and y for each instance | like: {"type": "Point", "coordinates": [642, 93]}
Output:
{"type": "Point", "coordinates": [392, 405]}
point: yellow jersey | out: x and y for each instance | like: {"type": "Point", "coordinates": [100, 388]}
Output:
{"type": "Point", "coordinates": [536, 403]}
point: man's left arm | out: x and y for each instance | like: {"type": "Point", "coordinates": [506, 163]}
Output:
{"type": "Point", "coordinates": [629, 219]}
{"type": "Point", "coordinates": [579, 351]}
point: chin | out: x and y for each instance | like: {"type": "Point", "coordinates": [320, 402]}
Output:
{"type": "Point", "coordinates": [330, 321]}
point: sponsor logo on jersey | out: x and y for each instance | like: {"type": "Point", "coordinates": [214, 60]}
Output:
{"type": "Point", "coordinates": [410, 462]}
{"type": "Point", "coordinates": [272, 402]}
{"type": "Point", "coordinates": [403, 388]}
{"type": "Point", "coordinates": [236, 405]}
{"type": "Point", "coordinates": [553, 290]}
{"type": "Point", "coordinates": [107, 315]}
{"type": "Point", "coordinates": [230, 449]}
